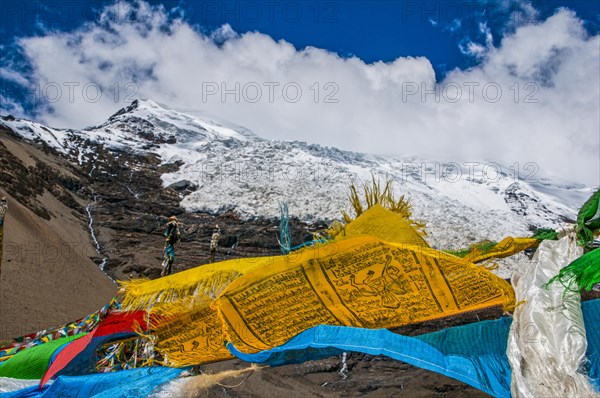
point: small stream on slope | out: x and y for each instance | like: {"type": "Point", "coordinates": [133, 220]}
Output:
{"type": "Point", "coordinates": [88, 209]}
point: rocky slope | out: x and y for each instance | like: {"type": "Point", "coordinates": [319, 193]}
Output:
{"type": "Point", "coordinates": [48, 276]}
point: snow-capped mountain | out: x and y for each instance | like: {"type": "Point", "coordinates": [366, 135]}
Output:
{"type": "Point", "coordinates": [231, 168]}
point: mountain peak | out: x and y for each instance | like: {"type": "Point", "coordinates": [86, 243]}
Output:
{"type": "Point", "coordinates": [137, 103]}
{"type": "Point", "coordinates": [185, 127]}
{"type": "Point", "coordinates": [131, 107]}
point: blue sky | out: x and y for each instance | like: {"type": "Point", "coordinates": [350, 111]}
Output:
{"type": "Point", "coordinates": [513, 81]}
{"type": "Point", "coordinates": [372, 30]}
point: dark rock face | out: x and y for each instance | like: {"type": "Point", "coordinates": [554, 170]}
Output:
{"type": "Point", "coordinates": [25, 183]}
{"type": "Point", "coordinates": [184, 186]}
{"type": "Point", "coordinates": [132, 208]}
{"type": "Point", "coordinates": [523, 204]}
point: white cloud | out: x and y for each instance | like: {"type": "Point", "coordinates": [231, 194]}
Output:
{"type": "Point", "coordinates": [157, 56]}
{"type": "Point", "coordinates": [223, 34]}
{"type": "Point", "coordinates": [10, 107]}
{"type": "Point", "coordinates": [11, 75]}
{"type": "Point", "coordinates": [479, 51]}
{"type": "Point", "coordinates": [524, 14]}
{"type": "Point", "coordinates": [453, 26]}
{"type": "Point", "coordinates": [514, 13]}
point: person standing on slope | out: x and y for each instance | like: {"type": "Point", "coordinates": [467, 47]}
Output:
{"type": "Point", "coordinates": [172, 237]}
{"type": "Point", "coordinates": [214, 241]}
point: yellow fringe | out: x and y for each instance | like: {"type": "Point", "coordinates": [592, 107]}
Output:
{"type": "Point", "coordinates": [209, 280]}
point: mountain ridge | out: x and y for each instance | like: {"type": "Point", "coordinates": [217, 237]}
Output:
{"type": "Point", "coordinates": [217, 169]}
